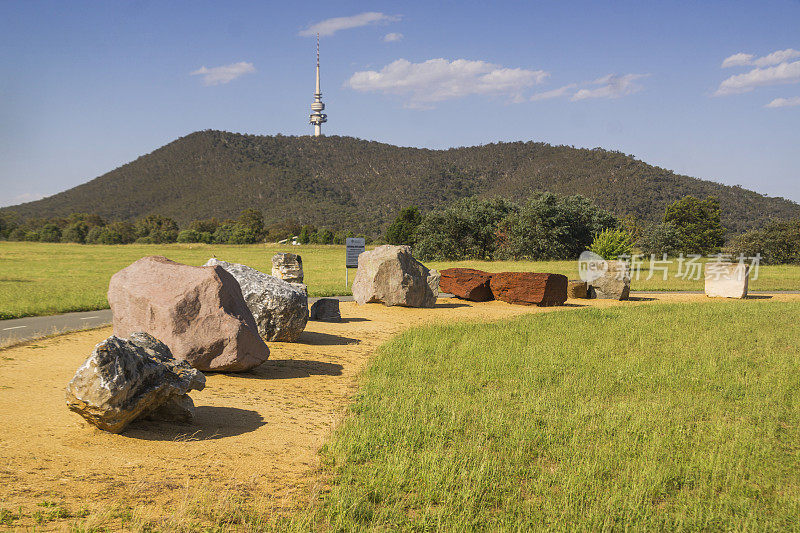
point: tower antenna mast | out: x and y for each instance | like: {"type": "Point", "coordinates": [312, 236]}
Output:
{"type": "Point", "coordinates": [317, 118]}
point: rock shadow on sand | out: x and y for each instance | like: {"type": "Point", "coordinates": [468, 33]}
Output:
{"type": "Point", "coordinates": [293, 368]}
{"type": "Point", "coordinates": [315, 338]}
{"type": "Point", "coordinates": [210, 423]}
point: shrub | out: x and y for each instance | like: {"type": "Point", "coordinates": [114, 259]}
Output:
{"type": "Point", "coordinates": [223, 233]}
{"type": "Point", "coordinates": [698, 224]}
{"type": "Point", "coordinates": [76, 232]}
{"type": "Point", "coordinates": [404, 228]}
{"type": "Point", "coordinates": [464, 230]}
{"type": "Point", "coordinates": [188, 235]}
{"type": "Point", "coordinates": [17, 234]}
{"type": "Point", "coordinates": [50, 233]}
{"type": "Point", "coordinates": [552, 227]}
{"type": "Point", "coordinates": [778, 243]}
{"type": "Point", "coordinates": [31, 236]}
{"type": "Point", "coordinates": [156, 229]}
{"type": "Point", "coordinates": [612, 243]}
{"type": "Point", "coordinates": [324, 236]}
{"type": "Point", "coordinates": [660, 239]}
{"type": "Point", "coordinates": [242, 235]}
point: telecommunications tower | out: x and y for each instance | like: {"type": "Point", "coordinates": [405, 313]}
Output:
{"type": "Point", "coordinates": [317, 118]}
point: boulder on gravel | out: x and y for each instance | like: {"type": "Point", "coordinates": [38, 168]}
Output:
{"type": "Point", "coordinates": [288, 267]}
{"type": "Point", "coordinates": [612, 282]}
{"type": "Point", "coordinates": [389, 274]}
{"type": "Point", "coordinates": [466, 283]}
{"type": "Point", "coordinates": [125, 379]}
{"type": "Point", "coordinates": [577, 288]}
{"type": "Point", "coordinates": [199, 312]}
{"type": "Point", "coordinates": [529, 288]}
{"type": "Point", "coordinates": [326, 310]}
{"type": "Point", "coordinates": [279, 308]}
{"type": "Point", "coordinates": [726, 280]}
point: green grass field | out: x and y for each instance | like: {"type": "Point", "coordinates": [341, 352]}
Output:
{"type": "Point", "coordinates": [646, 418]}
{"type": "Point", "coordinates": [44, 279]}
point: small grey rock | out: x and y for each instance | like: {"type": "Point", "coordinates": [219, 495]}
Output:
{"type": "Point", "coordinates": [326, 309]}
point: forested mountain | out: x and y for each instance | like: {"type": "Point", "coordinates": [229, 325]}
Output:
{"type": "Point", "coordinates": [345, 183]}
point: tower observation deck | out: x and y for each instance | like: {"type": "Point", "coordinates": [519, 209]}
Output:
{"type": "Point", "coordinates": [317, 118]}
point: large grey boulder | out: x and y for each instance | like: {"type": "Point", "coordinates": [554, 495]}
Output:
{"type": "Point", "coordinates": [726, 280]}
{"type": "Point", "coordinates": [279, 308]}
{"type": "Point", "coordinates": [124, 379]}
{"type": "Point", "coordinates": [199, 312]}
{"type": "Point", "coordinates": [288, 267]}
{"type": "Point", "coordinates": [611, 283]}
{"type": "Point", "coordinates": [389, 274]}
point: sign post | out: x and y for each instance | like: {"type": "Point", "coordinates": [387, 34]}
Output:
{"type": "Point", "coordinates": [354, 247]}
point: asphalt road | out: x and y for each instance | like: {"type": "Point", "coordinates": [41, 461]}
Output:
{"type": "Point", "coordinates": [34, 327]}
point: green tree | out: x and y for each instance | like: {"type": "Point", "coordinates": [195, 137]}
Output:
{"type": "Point", "coordinates": [156, 229]}
{"type": "Point", "coordinates": [252, 221]}
{"type": "Point", "coordinates": [464, 230]}
{"type": "Point", "coordinates": [660, 239]}
{"type": "Point", "coordinates": [8, 223]}
{"type": "Point", "coordinates": [698, 224]}
{"type": "Point", "coordinates": [404, 228]}
{"type": "Point", "coordinates": [305, 234]}
{"type": "Point", "coordinates": [552, 227]}
{"type": "Point", "coordinates": [76, 232]}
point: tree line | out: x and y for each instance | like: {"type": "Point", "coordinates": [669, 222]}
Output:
{"type": "Point", "coordinates": [552, 227]}
{"type": "Point", "coordinates": [86, 228]}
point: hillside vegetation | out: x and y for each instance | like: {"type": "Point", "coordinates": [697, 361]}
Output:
{"type": "Point", "coordinates": [350, 184]}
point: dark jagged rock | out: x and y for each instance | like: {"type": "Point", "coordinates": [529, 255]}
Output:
{"type": "Point", "coordinates": [124, 379]}
{"type": "Point", "coordinates": [326, 310]}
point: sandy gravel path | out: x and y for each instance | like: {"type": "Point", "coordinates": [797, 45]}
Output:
{"type": "Point", "coordinates": [255, 433]}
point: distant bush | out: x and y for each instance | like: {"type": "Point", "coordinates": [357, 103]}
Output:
{"type": "Point", "coordinates": [612, 243]}
{"type": "Point", "coordinates": [698, 224]}
{"type": "Point", "coordinates": [778, 243]}
{"type": "Point", "coordinates": [404, 228]}
{"type": "Point", "coordinates": [464, 230]}
{"type": "Point", "coordinates": [50, 233]}
{"type": "Point", "coordinates": [155, 229]}
{"type": "Point", "coordinates": [660, 239]}
{"type": "Point", "coordinates": [76, 232]}
{"type": "Point", "coordinates": [549, 226]}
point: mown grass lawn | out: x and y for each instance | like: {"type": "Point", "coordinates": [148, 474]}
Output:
{"type": "Point", "coordinates": [44, 278]}
{"type": "Point", "coordinates": [662, 417]}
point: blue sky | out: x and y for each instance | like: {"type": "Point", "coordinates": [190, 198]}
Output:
{"type": "Point", "coordinates": [88, 86]}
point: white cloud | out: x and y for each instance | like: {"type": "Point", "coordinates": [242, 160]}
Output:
{"type": "Point", "coordinates": [436, 80]}
{"type": "Point", "coordinates": [555, 93]}
{"type": "Point", "coordinates": [737, 60]}
{"type": "Point", "coordinates": [330, 26]}
{"type": "Point", "coordinates": [612, 86]}
{"type": "Point", "coordinates": [775, 58]}
{"type": "Point", "coordinates": [223, 74]}
{"type": "Point", "coordinates": [392, 37]}
{"type": "Point", "coordinates": [784, 102]}
{"type": "Point", "coordinates": [759, 77]}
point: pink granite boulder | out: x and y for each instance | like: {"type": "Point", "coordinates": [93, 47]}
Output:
{"type": "Point", "coordinates": [198, 312]}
